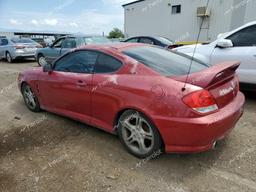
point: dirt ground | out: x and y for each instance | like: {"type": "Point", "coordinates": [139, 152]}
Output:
{"type": "Point", "coordinates": [46, 152]}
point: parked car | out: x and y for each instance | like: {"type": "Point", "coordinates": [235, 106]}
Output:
{"type": "Point", "coordinates": [17, 48]}
{"type": "Point", "coordinates": [152, 40]}
{"type": "Point", "coordinates": [137, 91]}
{"type": "Point", "coordinates": [64, 44]}
{"type": "Point", "coordinates": [239, 44]}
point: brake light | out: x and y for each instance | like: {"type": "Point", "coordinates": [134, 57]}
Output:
{"type": "Point", "coordinates": [19, 47]}
{"type": "Point", "coordinates": [201, 101]}
{"type": "Point", "coordinates": [39, 46]}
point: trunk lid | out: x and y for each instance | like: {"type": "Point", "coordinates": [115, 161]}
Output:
{"type": "Point", "coordinates": [220, 80]}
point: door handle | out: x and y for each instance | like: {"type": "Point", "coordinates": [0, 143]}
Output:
{"type": "Point", "coordinates": [81, 83]}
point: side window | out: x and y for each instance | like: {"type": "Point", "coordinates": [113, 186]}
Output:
{"type": "Point", "coordinates": [107, 64]}
{"type": "Point", "coordinates": [58, 43]}
{"type": "Point", "coordinates": [133, 40]}
{"type": "Point", "coordinates": [69, 43]}
{"type": "Point", "coordinates": [3, 42]}
{"type": "Point", "coordinates": [77, 62]}
{"type": "Point", "coordinates": [146, 41]}
{"type": "Point", "coordinates": [245, 37]}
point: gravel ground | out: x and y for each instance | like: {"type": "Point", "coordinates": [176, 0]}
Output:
{"type": "Point", "coordinates": [46, 152]}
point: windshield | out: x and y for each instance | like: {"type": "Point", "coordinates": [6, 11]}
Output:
{"type": "Point", "coordinates": [165, 40]}
{"type": "Point", "coordinates": [22, 40]}
{"type": "Point", "coordinates": [96, 40]}
{"type": "Point", "coordinates": [165, 62]}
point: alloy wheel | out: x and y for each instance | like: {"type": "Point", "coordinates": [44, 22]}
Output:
{"type": "Point", "coordinates": [138, 134]}
{"type": "Point", "coordinates": [29, 97]}
{"type": "Point", "coordinates": [42, 61]}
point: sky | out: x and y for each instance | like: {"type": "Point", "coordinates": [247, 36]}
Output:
{"type": "Point", "coordinates": [85, 16]}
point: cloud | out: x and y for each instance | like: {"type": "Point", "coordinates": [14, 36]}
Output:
{"type": "Point", "coordinates": [15, 22]}
{"type": "Point", "coordinates": [62, 6]}
{"type": "Point", "coordinates": [51, 22]}
{"type": "Point", "coordinates": [73, 24]}
{"type": "Point", "coordinates": [34, 22]}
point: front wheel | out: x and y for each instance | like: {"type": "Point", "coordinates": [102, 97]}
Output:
{"type": "Point", "coordinates": [139, 136]}
{"type": "Point", "coordinates": [41, 60]}
{"type": "Point", "coordinates": [30, 98]}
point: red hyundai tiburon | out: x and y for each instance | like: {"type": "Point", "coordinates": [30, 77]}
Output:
{"type": "Point", "coordinates": [142, 93]}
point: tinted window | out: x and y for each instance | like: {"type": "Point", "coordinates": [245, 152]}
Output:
{"type": "Point", "coordinates": [107, 64]}
{"type": "Point", "coordinates": [146, 40]}
{"type": "Point", "coordinates": [244, 38]}
{"type": "Point", "coordinates": [133, 40]}
{"type": "Point", "coordinates": [77, 62]}
{"type": "Point", "coordinates": [58, 43]}
{"type": "Point", "coordinates": [69, 43]}
{"type": "Point", "coordinates": [165, 62]}
{"type": "Point", "coordinates": [164, 41]}
{"type": "Point", "coordinates": [4, 42]}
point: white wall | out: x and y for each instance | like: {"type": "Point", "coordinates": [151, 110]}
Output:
{"type": "Point", "coordinates": [154, 17]}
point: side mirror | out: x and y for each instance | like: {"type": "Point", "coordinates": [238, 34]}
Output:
{"type": "Point", "coordinates": [224, 43]}
{"type": "Point", "coordinates": [47, 68]}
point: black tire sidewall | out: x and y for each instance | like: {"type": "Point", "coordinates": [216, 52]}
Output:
{"type": "Point", "coordinates": [157, 148]}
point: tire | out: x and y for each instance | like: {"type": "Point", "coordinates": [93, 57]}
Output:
{"type": "Point", "coordinates": [41, 60]}
{"type": "Point", "coordinates": [30, 98]}
{"type": "Point", "coordinates": [8, 57]}
{"type": "Point", "coordinates": [139, 135]}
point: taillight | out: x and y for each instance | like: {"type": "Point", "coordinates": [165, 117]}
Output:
{"type": "Point", "coordinates": [19, 47]}
{"type": "Point", "coordinates": [201, 101]}
{"type": "Point", "coordinates": [39, 46]}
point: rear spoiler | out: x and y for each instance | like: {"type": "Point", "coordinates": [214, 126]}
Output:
{"type": "Point", "coordinates": [210, 75]}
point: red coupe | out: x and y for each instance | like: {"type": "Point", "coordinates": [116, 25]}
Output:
{"type": "Point", "coordinates": [142, 93]}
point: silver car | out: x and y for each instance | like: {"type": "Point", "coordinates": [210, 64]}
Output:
{"type": "Point", "coordinates": [17, 48]}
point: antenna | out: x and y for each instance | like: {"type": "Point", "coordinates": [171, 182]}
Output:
{"type": "Point", "coordinates": [194, 51]}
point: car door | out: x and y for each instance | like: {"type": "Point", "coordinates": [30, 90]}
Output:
{"type": "Point", "coordinates": [54, 51]}
{"type": "Point", "coordinates": [67, 89]}
{"type": "Point", "coordinates": [105, 101]}
{"type": "Point", "coordinates": [68, 43]}
{"type": "Point", "coordinates": [244, 50]}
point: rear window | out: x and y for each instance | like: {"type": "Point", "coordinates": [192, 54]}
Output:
{"type": "Point", "coordinates": [165, 62]}
{"type": "Point", "coordinates": [22, 40]}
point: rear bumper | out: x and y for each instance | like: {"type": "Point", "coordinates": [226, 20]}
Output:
{"type": "Point", "coordinates": [23, 54]}
{"type": "Point", "coordinates": [191, 135]}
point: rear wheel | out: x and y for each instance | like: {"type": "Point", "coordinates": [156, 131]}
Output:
{"type": "Point", "coordinates": [41, 60]}
{"type": "Point", "coordinates": [139, 136]}
{"type": "Point", "coordinates": [9, 57]}
{"type": "Point", "coordinates": [30, 98]}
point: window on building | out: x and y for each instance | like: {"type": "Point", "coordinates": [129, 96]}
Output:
{"type": "Point", "coordinates": [176, 9]}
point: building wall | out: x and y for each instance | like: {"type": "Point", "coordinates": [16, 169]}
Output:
{"type": "Point", "coordinates": [154, 17]}
{"type": "Point", "coordinates": [6, 34]}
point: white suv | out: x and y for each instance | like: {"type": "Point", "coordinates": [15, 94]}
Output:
{"type": "Point", "coordinates": [239, 45]}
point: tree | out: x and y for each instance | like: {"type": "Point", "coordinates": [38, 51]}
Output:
{"type": "Point", "coordinates": [116, 33]}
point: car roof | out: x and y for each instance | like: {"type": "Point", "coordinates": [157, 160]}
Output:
{"type": "Point", "coordinates": [113, 46]}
